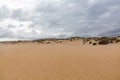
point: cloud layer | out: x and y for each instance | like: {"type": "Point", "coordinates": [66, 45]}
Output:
{"type": "Point", "coordinates": [58, 18]}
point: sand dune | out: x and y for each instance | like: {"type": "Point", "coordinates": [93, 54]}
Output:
{"type": "Point", "coordinates": [65, 61]}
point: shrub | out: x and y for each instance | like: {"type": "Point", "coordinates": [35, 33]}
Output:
{"type": "Point", "coordinates": [60, 41]}
{"type": "Point", "coordinates": [94, 43]}
{"type": "Point", "coordinates": [117, 41]}
{"type": "Point", "coordinates": [103, 42]}
{"type": "Point", "coordinates": [48, 42]}
{"type": "Point", "coordinates": [111, 41]}
{"type": "Point", "coordinates": [90, 42]}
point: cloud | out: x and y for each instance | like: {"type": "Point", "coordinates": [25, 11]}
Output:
{"type": "Point", "coordinates": [113, 32]}
{"type": "Point", "coordinates": [4, 11]}
{"type": "Point", "coordinates": [58, 18]}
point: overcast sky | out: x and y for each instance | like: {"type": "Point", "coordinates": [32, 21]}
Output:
{"type": "Point", "coordinates": [32, 19]}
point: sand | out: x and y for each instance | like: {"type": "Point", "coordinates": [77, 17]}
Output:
{"type": "Point", "coordinates": [65, 61]}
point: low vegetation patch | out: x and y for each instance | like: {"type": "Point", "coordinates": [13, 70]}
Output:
{"type": "Point", "coordinates": [103, 42]}
{"type": "Point", "coordinates": [94, 43]}
{"type": "Point", "coordinates": [91, 40]}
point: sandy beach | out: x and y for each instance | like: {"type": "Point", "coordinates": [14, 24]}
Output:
{"type": "Point", "coordinates": [65, 61]}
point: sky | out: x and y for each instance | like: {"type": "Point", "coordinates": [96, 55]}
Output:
{"type": "Point", "coordinates": [34, 19]}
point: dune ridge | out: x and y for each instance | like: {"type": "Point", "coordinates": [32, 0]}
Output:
{"type": "Point", "coordinates": [89, 40]}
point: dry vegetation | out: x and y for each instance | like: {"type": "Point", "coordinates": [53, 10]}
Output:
{"type": "Point", "coordinates": [101, 40]}
{"type": "Point", "coordinates": [91, 41]}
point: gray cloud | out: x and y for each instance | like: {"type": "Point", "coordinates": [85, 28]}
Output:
{"type": "Point", "coordinates": [4, 11]}
{"type": "Point", "coordinates": [5, 32]}
{"type": "Point", "coordinates": [17, 14]}
{"type": "Point", "coordinates": [114, 32]}
{"type": "Point", "coordinates": [50, 18]}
